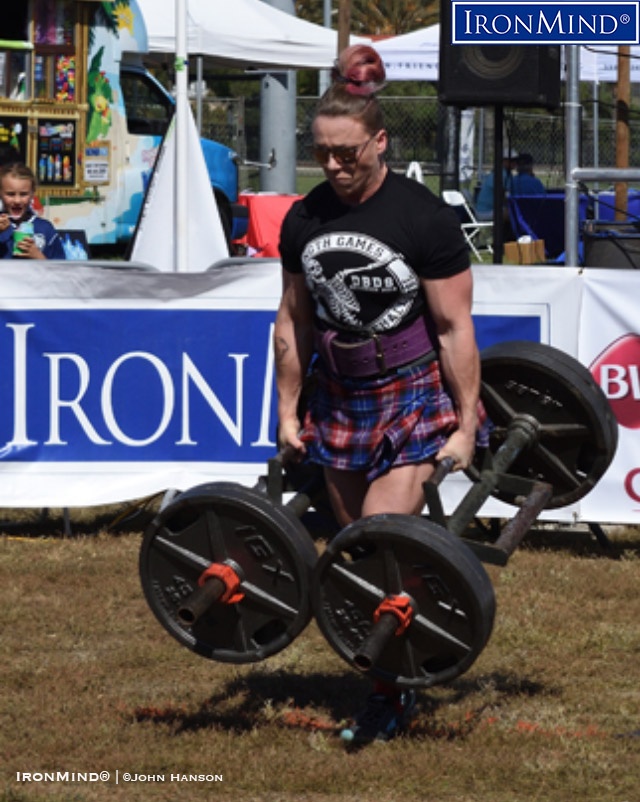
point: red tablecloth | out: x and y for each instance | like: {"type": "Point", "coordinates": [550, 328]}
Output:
{"type": "Point", "coordinates": [266, 212]}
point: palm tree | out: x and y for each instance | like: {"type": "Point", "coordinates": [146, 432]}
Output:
{"type": "Point", "coordinates": [386, 17]}
{"type": "Point", "coordinates": [392, 17]}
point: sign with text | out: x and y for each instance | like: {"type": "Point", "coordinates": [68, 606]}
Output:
{"type": "Point", "coordinates": [131, 385]}
{"type": "Point", "coordinates": [97, 162]}
{"type": "Point", "coordinates": [524, 22]}
{"type": "Point", "coordinates": [57, 152]}
{"type": "Point", "coordinates": [119, 383]}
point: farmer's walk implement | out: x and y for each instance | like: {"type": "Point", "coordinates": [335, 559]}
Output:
{"type": "Point", "coordinates": [233, 574]}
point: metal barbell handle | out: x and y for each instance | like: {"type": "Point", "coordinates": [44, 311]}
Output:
{"type": "Point", "coordinates": [219, 583]}
{"type": "Point", "coordinates": [197, 604]}
{"type": "Point", "coordinates": [522, 433]}
{"type": "Point", "coordinates": [391, 619]}
{"type": "Point", "coordinates": [272, 484]}
{"type": "Point", "coordinates": [430, 490]}
{"type": "Point", "coordinates": [374, 644]}
{"type": "Point", "coordinates": [443, 469]}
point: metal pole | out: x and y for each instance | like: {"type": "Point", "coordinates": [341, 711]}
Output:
{"type": "Point", "coordinates": [324, 76]}
{"type": "Point", "coordinates": [278, 124]}
{"type": "Point", "coordinates": [572, 123]}
{"type": "Point", "coordinates": [181, 252]}
{"type": "Point", "coordinates": [344, 24]}
{"type": "Point", "coordinates": [481, 145]}
{"type": "Point", "coordinates": [451, 133]}
{"type": "Point", "coordinates": [199, 85]}
{"type": "Point", "coordinates": [498, 184]}
{"type": "Point", "coordinates": [606, 174]}
{"type": "Point", "coordinates": [596, 134]}
{"type": "Point", "coordinates": [623, 99]}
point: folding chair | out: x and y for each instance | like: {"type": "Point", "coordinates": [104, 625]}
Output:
{"type": "Point", "coordinates": [471, 226]}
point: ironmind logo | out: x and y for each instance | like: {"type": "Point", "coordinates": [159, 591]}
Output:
{"type": "Point", "coordinates": [544, 23]}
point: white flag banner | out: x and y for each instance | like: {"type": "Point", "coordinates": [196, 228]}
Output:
{"type": "Point", "coordinates": [154, 242]}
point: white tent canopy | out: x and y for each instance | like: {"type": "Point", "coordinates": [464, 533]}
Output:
{"type": "Point", "coordinates": [247, 33]}
{"type": "Point", "coordinates": [601, 64]}
{"type": "Point", "coordinates": [415, 57]}
{"type": "Point", "coordinates": [412, 56]}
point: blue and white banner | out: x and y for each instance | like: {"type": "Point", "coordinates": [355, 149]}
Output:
{"type": "Point", "coordinates": [117, 383]}
{"type": "Point", "coordinates": [526, 22]}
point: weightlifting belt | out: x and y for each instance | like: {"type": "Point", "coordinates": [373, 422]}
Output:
{"type": "Point", "coordinates": [376, 355]}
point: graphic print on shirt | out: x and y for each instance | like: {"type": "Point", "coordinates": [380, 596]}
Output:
{"type": "Point", "coordinates": [40, 241]}
{"type": "Point", "coordinates": [359, 282]}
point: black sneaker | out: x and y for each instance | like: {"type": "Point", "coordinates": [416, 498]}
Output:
{"type": "Point", "coordinates": [382, 719]}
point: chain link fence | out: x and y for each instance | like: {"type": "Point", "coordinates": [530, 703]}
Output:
{"type": "Point", "coordinates": [419, 130]}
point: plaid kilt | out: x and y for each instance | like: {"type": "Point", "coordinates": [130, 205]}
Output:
{"type": "Point", "coordinates": [374, 424]}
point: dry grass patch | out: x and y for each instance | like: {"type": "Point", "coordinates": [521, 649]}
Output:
{"type": "Point", "coordinates": [91, 682]}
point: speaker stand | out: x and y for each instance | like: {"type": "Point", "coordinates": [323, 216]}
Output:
{"type": "Point", "coordinates": [450, 132]}
{"type": "Point", "coordinates": [498, 184]}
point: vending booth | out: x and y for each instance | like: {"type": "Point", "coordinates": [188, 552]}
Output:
{"type": "Point", "coordinates": [43, 99]}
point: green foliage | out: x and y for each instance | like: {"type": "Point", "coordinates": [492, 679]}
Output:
{"type": "Point", "coordinates": [392, 17]}
{"type": "Point", "coordinates": [410, 89]}
{"type": "Point", "coordinates": [103, 17]}
{"type": "Point", "coordinates": [100, 97]}
{"type": "Point", "coordinates": [107, 17]}
{"type": "Point", "coordinates": [385, 17]}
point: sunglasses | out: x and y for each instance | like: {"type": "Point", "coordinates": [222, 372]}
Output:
{"type": "Point", "coordinates": [342, 154]}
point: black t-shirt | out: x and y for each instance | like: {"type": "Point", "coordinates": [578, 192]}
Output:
{"type": "Point", "coordinates": [363, 263]}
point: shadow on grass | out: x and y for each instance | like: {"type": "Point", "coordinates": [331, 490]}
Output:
{"type": "Point", "coordinates": [325, 702]}
{"type": "Point", "coordinates": [115, 519]}
{"type": "Point", "coordinates": [583, 540]}
{"type": "Point", "coordinates": [583, 543]}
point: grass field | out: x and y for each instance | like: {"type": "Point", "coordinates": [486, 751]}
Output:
{"type": "Point", "coordinates": [92, 683]}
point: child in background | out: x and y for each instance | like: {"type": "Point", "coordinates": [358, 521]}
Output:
{"type": "Point", "coordinates": [22, 233]}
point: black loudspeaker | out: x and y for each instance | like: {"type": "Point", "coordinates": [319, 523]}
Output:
{"type": "Point", "coordinates": [496, 75]}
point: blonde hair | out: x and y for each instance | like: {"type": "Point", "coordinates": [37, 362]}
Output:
{"type": "Point", "coordinates": [20, 171]}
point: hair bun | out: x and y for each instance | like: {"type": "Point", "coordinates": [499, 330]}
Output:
{"type": "Point", "coordinates": [360, 69]}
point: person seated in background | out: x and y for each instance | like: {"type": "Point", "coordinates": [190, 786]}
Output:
{"type": "Point", "coordinates": [524, 182]}
{"type": "Point", "coordinates": [484, 201]}
{"type": "Point", "coordinates": [23, 234]}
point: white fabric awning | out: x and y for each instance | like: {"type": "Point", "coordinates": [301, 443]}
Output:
{"type": "Point", "coordinates": [242, 32]}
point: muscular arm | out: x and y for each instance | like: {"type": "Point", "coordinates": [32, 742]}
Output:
{"type": "Point", "coordinates": [293, 347]}
{"type": "Point", "coordinates": [450, 304]}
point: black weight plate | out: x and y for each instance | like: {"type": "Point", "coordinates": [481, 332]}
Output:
{"type": "Point", "coordinates": [274, 554]}
{"type": "Point", "coordinates": [452, 595]}
{"type": "Point", "coordinates": [577, 431]}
